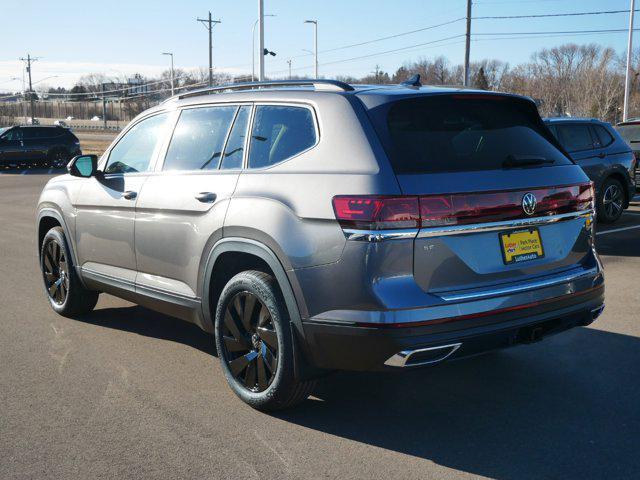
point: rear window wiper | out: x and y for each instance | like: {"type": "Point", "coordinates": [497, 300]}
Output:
{"type": "Point", "coordinates": [524, 161]}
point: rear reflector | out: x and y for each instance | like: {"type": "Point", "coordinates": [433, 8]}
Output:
{"type": "Point", "coordinates": [381, 212]}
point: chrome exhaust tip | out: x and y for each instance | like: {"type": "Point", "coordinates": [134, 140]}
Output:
{"type": "Point", "coordinates": [422, 356]}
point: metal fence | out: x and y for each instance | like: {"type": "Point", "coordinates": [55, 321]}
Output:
{"type": "Point", "coordinates": [116, 110]}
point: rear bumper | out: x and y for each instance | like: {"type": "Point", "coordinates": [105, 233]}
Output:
{"type": "Point", "coordinates": [366, 347]}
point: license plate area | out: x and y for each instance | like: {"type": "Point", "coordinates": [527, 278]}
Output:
{"type": "Point", "coordinates": [521, 245]}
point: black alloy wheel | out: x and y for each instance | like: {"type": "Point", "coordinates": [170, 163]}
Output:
{"type": "Point", "coordinates": [250, 342]}
{"type": "Point", "coordinates": [55, 271]}
{"type": "Point", "coordinates": [59, 159]}
{"type": "Point", "coordinates": [612, 200]}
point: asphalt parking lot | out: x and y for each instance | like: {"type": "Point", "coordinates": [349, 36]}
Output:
{"type": "Point", "coordinates": [126, 392]}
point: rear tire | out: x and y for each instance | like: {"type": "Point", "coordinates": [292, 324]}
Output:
{"type": "Point", "coordinates": [65, 292]}
{"type": "Point", "coordinates": [255, 345]}
{"type": "Point", "coordinates": [610, 202]}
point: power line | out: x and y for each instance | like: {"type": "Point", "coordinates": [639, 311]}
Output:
{"type": "Point", "coordinates": [393, 36]}
{"type": "Point", "coordinates": [612, 30]}
{"type": "Point", "coordinates": [395, 50]}
{"type": "Point", "coordinates": [544, 15]}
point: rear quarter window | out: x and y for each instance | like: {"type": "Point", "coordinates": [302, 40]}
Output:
{"type": "Point", "coordinates": [575, 137]}
{"type": "Point", "coordinates": [465, 132]}
{"type": "Point", "coordinates": [604, 137]}
{"type": "Point", "coordinates": [279, 133]}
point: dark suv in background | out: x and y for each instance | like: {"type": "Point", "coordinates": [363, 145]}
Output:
{"type": "Point", "coordinates": [40, 146]}
{"type": "Point", "coordinates": [630, 132]}
{"type": "Point", "coordinates": [604, 156]}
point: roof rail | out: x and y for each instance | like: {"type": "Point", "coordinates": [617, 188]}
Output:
{"type": "Point", "coordinates": [327, 85]}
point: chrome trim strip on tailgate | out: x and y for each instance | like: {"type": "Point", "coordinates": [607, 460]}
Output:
{"type": "Point", "coordinates": [505, 225]}
{"type": "Point", "coordinates": [383, 235]}
{"type": "Point", "coordinates": [379, 235]}
{"type": "Point", "coordinates": [518, 288]}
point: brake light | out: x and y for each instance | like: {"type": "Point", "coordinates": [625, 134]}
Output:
{"type": "Point", "coordinates": [380, 212]}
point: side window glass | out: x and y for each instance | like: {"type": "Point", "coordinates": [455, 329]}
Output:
{"type": "Point", "coordinates": [575, 137]}
{"type": "Point", "coordinates": [603, 136]}
{"type": "Point", "coordinates": [15, 135]}
{"type": "Point", "coordinates": [279, 133]}
{"type": "Point", "coordinates": [198, 138]}
{"type": "Point", "coordinates": [234, 150]}
{"type": "Point", "coordinates": [134, 151]}
{"type": "Point", "coordinates": [29, 134]}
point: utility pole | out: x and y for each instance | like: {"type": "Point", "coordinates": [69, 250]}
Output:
{"type": "Point", "coordinates": [315, 44]}
{"type": "Point", "coordinates": [289, 62]}
{"type": "Point", "coordinates": [627, 79]}
{"type": "Point", "coordinates": [261, 35]}
{"type": "Point", "coordinates": [208, 24]}
{"type": "Point", "coordinates": [29, 61]}
{"type": "Point", "coordinates": [467, 72]}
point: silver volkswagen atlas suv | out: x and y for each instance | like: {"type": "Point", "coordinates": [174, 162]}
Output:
{"type": "Point", "coordinates": [313, 226]}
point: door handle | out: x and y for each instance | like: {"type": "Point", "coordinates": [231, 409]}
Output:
{"type": "Point", "coordinates": [206, 197]}
{"type": "Point", "coordinates": [602, 155]}
{"type": "Point", "coordinates": [129, 195]}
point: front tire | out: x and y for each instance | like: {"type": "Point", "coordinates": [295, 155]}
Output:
{"type": "Point", "coordinates": [255, 345]}
{"type": "Point", "coordinates": [64, 290]}
{"type": "Point", "coordinates": [58, 158]}
{"type": "Point", "coordinates": [610, 204]}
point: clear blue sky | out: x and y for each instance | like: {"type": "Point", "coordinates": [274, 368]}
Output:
{"type": "Point", "coordinates": [78, 37]}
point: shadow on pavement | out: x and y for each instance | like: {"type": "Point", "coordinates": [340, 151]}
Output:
{"type": "Point", "coordinates": [145, 322]}
{"type": "Point", "coordinates": [568, 407]}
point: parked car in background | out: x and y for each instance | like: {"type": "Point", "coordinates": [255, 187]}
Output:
{"type": "Point", "coordinates": [43, 146]}
{"type": "Point", "coordinates": [316, 226]}
{"type": "Point", "coordinates": [95, 118]}
{"type": "Point", "coordinates": [604, 156]}
{"type": "Point", "coordinates": [33, 121]}
{"type": "Point", "coordinates": [630, 132]}
{"type": "Point", "coordinates": [61, 123]}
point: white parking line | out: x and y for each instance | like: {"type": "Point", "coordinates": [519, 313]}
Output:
{"type": "Point", "coordinates": [618, 230]}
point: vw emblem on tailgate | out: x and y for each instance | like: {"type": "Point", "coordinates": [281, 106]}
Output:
{"type": "Point", "coordinates": [529, 203]}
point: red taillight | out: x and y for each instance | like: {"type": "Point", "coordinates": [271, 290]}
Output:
{"type": "Point", "coordinates": [377, 213]}
{"type": "Point", "coordinates": [380, 213]}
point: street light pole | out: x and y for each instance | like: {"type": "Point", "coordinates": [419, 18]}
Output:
{"type": "Point", "coordinates": [253, 47]}
{"type": "Point", "coordinates": [315, 43]}
{"type": "Point", "coordinates": [627, 80]}
{"type": "Point", "coordinates": [289, 62]}
{"type": "Point", "coordinates": [261, 23]}
{"type": "Point", "coordinates": [172, 86]}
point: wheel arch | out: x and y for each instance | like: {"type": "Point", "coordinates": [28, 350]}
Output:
{"type": "Point", "coordinates": [628, 195]}
{"type": "Point", "coordinates": [49, 218]}
{"type": "Point", "coordinates": [263, 256]}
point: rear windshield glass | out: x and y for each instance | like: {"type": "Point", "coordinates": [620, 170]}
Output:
{"type": "Point", "coordinates": [630, 133]}
{"type": "Point", "coordinates": [466, 132]}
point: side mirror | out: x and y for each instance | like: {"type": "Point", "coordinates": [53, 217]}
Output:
{"type": "Point", "coordinates": [84, 166]}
